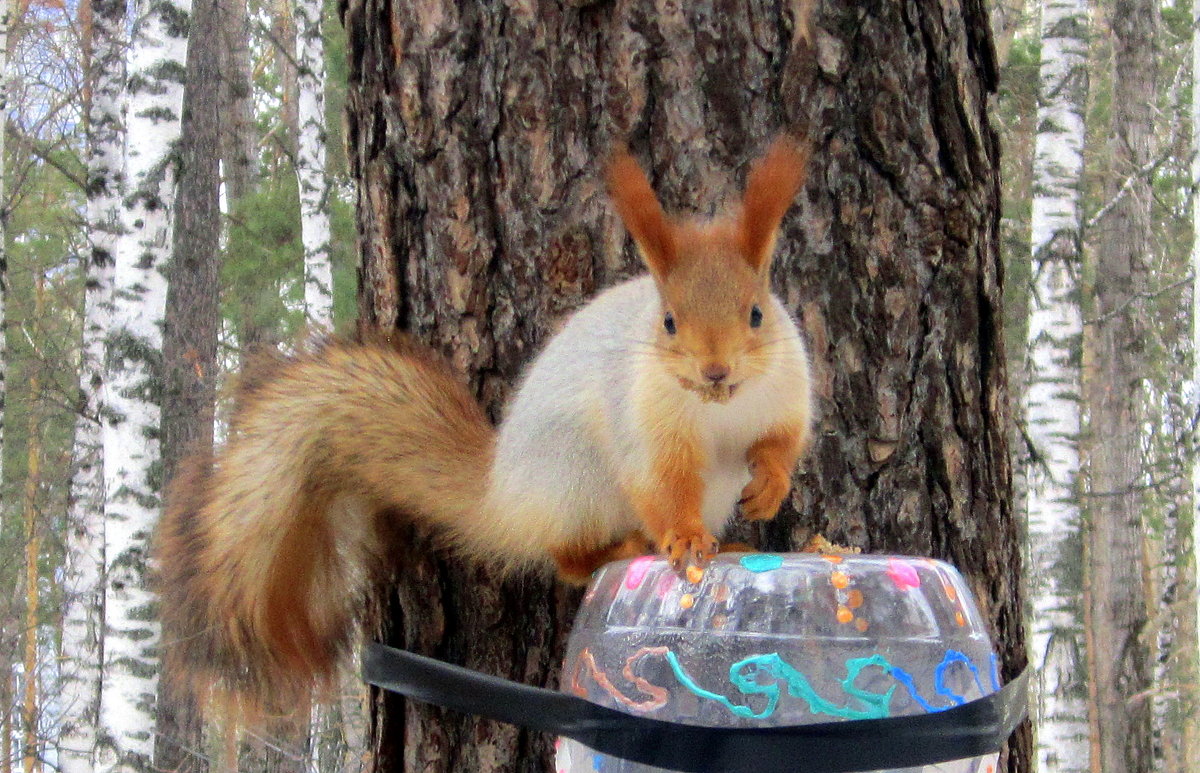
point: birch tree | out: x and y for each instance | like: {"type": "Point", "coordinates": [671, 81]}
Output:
{"type": "Point", "coordinates": [130, 434]}
{"type": "Point", "coordinates": [1119, 651]}
{"type": "Point", "coordinates": [1051, 398]}
{"type": "Point", "coordinates": [83, 587]}
{"type": "Point", "coordinates": [310, 166]}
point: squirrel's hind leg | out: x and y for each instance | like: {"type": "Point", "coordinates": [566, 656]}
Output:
{"type": "Point", "coordinates": [577, 562]}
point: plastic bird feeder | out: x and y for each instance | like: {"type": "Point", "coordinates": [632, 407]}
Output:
{"type": "Point", "coordinates": [762, 663]}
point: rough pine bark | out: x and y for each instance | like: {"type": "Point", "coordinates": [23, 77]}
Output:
{"type": "Point", "coordinates": [191, 321]}
{"type": "Point", "coordinates": [239, 136]}
{"type": "Point", "coordinates": [477, 136]}
{"type": "Point", "coordinates": [133, 347]}
{"type": "Point", "coordinates": [1120, 660]}
{"type": "Point", "coordinates": [1052, 397]}
{"type": "Point", "coordinates": [1193, 742]}
{"type": "Point", "coordinates": [83, 584]}
{"type": "Point", "coordinates": [5, 34]}
{"type": "Point", "coordinates": [31, 671]}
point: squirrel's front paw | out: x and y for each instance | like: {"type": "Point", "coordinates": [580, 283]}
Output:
{"type": "Point", "coordinates": [765, 492]}
{"type": "Point", "coordinates": [689, 547]}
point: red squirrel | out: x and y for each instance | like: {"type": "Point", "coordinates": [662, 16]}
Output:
{"type": "Point", "coordinates": [657, 411]}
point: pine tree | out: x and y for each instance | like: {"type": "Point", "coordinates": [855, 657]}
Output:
{"type": "Point", "coordinates": [482, 220]}
{"type": "Point", "coordinates": [190, 327]}
{"type": "Point", "coordinates": [1119, 655]}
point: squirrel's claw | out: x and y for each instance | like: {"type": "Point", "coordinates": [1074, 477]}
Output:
{"type": "Point", "coordinates": [763, 495]}
{"type": "Point", "coordinates": [689, 548]}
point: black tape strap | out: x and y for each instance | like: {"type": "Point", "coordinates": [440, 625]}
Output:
{"type": "Point", "coordinates": [975, 728]}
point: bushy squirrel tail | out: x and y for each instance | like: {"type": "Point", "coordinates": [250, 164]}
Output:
{"type": "Point", "coordinates": [268, 549]}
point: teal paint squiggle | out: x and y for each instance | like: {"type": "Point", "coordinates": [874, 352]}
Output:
{"type": "Point", "coordinates": [744, 675]}
{"type": "Point", "coordinates": [770, 690]}
{"type": "Point", "coordinates": [761, 562]}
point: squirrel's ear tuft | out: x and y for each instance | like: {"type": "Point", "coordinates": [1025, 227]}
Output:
{"type": "Point", "coordinates": [770, 188]}
{"type": "Point", "coordinates": [639, 209]}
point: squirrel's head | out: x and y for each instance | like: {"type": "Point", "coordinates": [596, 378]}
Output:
{"type": "Point", "coordinates": [717, 325]}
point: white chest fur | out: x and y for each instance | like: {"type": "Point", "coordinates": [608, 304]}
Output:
{"type": "Point", "coordinates": [727, 431]}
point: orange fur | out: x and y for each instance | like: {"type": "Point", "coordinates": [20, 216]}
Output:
{"type": "Point", "coordinates": [642, 214]}
{"type": "Point", "coordinates": [267, 551]}
{"type": "Point", "coordinates": [669, 505]}
{"type": "Point", "coordinates": [772, 459]}
{"type": "Point", "coordinates": [770, 189]}
{"type": "Point", "coordinates": [576, 563]}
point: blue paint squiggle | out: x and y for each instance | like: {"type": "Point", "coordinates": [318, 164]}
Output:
{"type": "Point", "coordinates": [746, 675]}
{"type": "Point", "coordinates": [939, 681]}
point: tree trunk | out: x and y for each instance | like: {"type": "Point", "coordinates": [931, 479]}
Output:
{"type": "Point", "coordinates": [283, 29]}
{"type": "Point", "coordinates": [311, 177]}
{"type": "Point", "coordinates": [1120, 660]}
{"type": "Point", "coordinates": [1051, 400]}
{"type": "Point", "coordinates": [6, 17]}
{"type": "Point", "coordinates": [31, 756]}
{"type": "Point", "coordinates": [477, 135]}
{"type": "Point", "coordinates": [83, 585]}
{"type": "Point", "coordinates": [239, 138]}
{"type": "Point", "coordinates": [133, 345]}
{"type": "Point", "coordinates": [192, 317]}
{"type": "Point", "coordinates": [1192, 741]}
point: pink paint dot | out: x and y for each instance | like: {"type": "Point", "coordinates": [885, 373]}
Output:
{"type": "Point", "coordinates": [903, 575]}
{"type": "Point", "coordinates": [637, 571]}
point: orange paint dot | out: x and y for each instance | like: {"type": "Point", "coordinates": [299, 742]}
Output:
{"type": "Point", "coordinates": [862, 625]}
{"type": "Point", "coordinates": [844, 615]}
{"type": "Point", "coordinates": [839, 579]}
{"type": "Point", "coordinates": [854, 599]}
{"type": "Point", "coordinates": [950, 592]}
{"type": "Point", "coordinates": [832, 559]}
{"type": "Point", "coordinates": [958, 618]}
{"type": "Point", "coordinates": [687, 601]}
{"type": "Point", "coordinates": [695, 574]}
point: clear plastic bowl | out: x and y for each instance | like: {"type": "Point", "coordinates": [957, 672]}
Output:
{"type": "Point", "coordinates": [763, 640]}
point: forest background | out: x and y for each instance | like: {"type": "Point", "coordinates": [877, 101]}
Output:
{"type": "Point", "coordinates": [265, 237]}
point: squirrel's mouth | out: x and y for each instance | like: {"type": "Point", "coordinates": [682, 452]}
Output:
{"type": "Point", "coordinates": [710, 393]}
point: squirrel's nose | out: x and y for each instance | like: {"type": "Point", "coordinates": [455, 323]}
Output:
{"type": "Point", "coordinates": [715, 372]}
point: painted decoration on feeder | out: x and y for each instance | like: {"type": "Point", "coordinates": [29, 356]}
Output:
{"type": "Point", "coordinates": [766, 640]}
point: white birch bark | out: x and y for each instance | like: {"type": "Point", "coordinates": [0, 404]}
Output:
{"type": "Point", "coordinates": [83, 586]}
{"type": "Point", "coordinates": [1052, 414]}
{"type": "Point", "coordinates": [310, 166]}
{"type": "Point", "coordinates": [131, 417]}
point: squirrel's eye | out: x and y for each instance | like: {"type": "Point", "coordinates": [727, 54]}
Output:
{"type": "Point", "coordinates": [755, 316]}
{"type": "Point", "coordinates": [669, 323]}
